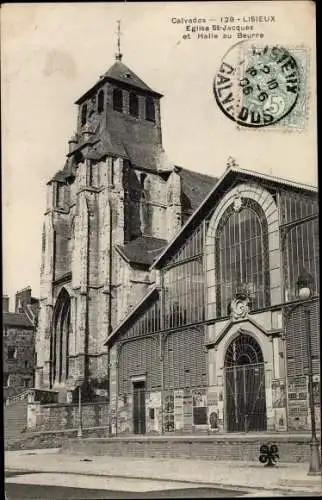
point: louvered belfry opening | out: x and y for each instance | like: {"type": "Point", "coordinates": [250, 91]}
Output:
{"type": "Point", "coordinates": [245, 385]}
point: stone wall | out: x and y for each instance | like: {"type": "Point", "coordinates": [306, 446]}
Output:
{"type": "Point", "coordinates": [52, 439]}
{"type": "Point", "coordinates": [66, 416]}
{"type": "Point", "coordinates": [291, 448]}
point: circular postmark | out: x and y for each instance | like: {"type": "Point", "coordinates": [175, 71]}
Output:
{"type": "Point", "coordinates": [257, 86]}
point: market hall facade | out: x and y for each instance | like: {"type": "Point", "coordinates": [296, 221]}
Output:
{"type": "Point", "coordinates": [219, 341]}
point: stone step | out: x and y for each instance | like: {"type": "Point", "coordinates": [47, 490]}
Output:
{"type": "Point", "coordinates": [15, 420]}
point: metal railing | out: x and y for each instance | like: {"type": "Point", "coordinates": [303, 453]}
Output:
{"type": "Point", "coordinates": [17, 397]}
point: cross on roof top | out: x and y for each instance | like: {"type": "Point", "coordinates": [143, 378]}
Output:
{"type": "Point", "coordinates": [118, 55]}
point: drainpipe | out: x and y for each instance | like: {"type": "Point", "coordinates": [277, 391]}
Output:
{"type": "Point", "coordinates": [86, 360]}
{"type": "Point", "coordinates": [161, 351]}
{"type": "Point", "coordinates": [110, 267]}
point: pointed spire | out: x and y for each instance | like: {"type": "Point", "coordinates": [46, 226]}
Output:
{"type": "Point", "coordinates": [118, 55]}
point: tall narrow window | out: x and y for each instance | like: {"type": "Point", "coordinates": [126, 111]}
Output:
{"type": "Point", "coordinates": [90, 174]}
{"type": "Point", "coordinates": [242, 257]}
{"type": "Point", "coordinates": [59, 195]}
{"type": "Point", "coordinates": [117, 100]}
{"type": "Point", "coordinates": [100, 101]}
{"type": "Point", "coordinates": [83, 114]}
{"type": "Point", "coordinates": [112, 172]}
{"type": "Point", "coordinates": [134, 105]}
{"type": "Point", "coordinates": [150, 109]}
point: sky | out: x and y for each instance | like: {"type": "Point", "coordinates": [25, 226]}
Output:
{"type": "Point", "coordinates": [53, 53]}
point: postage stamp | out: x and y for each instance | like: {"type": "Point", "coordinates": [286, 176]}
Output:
{"type": "Point", "coordinates": [259, 86]}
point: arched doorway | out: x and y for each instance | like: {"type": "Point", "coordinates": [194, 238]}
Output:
{"type": "Point", "coordinates": [245, 385]}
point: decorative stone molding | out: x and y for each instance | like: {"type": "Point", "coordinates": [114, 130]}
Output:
{"type": "Point", "coordinates": [239, 309]}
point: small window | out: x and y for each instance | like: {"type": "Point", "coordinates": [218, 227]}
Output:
{"type": "Point", "coordinates": [112, 171]}
{"type": "Point", "coordinates": [100, 101]}
{"type": "Point", "coordinates": [134, 105]}
{"type": "Point", "coordinates": [93, 175]}
{"type": "Point", "coordinates": [26, 382]}
{"type": "Point", "coordinates": [118, 100]}
{"type": "Point", "coordinates": [26, 364]}
{"type": "Point", "coordinates": [149, 109]}
{"type": "Point", "coordinates": [5, 331]}
{"type": "Point", "coordinates": [142, 179]}
{"type": "Point", "coordinates": [6, 380]}
{"type": "Point", "coordinates": [59, 192]}
{"type": "Point", "coordinates": [12, 353]}
{"type": "Point", "coordinates": [90, 175]}
{"type": "Point", "coordinates": [84, 114]}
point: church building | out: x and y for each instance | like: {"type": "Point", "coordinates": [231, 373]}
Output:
{"type": "Point", "coordinates": [169, 293]}
{"type": "Point", "coordinates": [110, 211]}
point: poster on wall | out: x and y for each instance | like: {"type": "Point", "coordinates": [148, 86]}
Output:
{"type": "Point", "coordinates": [316, 389]}
{"type": "Point", "coordinates": [280, 419]}
{"type": "Point", "coordinates": [297, 403]}
{"type": "Point", "coordinates": [279, 393]}
{"type": "Point", "coordinates": [297, 388]}
{"type": "Point", "coordinates": [153, 411]}
{"type": "Point", "coordinates": [178, 409]}
{"type": "Point", "coordinates": [199, 398]}
{"type": "Point", "coordinates": [169, 411]}
{"type": "Point", "coordinates": [200, 409]}
{"type": "Point", "coordinates": [213, 420]}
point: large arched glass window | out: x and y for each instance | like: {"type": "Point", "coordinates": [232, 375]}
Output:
{"type": "Point", "coordinates": [118, 100]}
{"type": "Point", "coordinates": [242, 256]}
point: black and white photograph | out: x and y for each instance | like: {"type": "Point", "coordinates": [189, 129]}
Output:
{"type": "Point", "coordinates": [160, 214]}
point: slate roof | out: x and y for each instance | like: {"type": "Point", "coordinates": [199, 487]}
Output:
{"type": "Point", "coordinates": [143, 250]}
{"type": "Point", "coordinates": [121, 73]}
{"type": "Point", "coordinates": [16, 319]}
{"type": "Point", "coordinates": [195, 187]}
{"type": "Point", "coordinates": [230, 174]}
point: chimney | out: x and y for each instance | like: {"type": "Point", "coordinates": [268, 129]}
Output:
{"type": "Point", "coordinates": [23, 297]}
{"type": "Point", "coordinates": [5, 303]}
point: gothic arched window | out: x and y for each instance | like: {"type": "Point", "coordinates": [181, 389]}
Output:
{"type": "Point", "coordinates": [60, 339]}
{"type": "Point", "coordinates": [242, 256]}
{"type": "Point", "coordinates": [150, 109]}
{"type": "Point", "coordinates": [117, 100]}
{"type": "Point", "coordinates": [134, 105]}
{"type": "Point", "coordinates": [100, 101]}
{"type": "Point", "coordinates": [83, 114]}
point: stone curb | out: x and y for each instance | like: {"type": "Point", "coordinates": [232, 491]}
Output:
{"type": "Point", "coordinates": [224, 486]}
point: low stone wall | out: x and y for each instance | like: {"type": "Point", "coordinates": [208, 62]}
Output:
{"type": "Point", "coordinates": [63, 416]}
{"type": "Point", "coordinates": [52, 439]}
{"type": "Point", "coordinates": [291, 448]}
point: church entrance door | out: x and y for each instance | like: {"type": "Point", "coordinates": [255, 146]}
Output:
{"type": "Point", "coordinates": [245, 386]}
{"type": "Point", "coordinates": [139, 407]}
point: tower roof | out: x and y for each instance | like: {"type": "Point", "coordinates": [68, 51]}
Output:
{"type": "Point", "coordinates": [120, 73]}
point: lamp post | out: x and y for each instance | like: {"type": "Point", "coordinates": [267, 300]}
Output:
{"type": "Point", "coordinates": [304, 290]}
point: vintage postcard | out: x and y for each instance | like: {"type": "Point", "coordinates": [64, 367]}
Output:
{"type": "Point", "coordinates": [161, 249]}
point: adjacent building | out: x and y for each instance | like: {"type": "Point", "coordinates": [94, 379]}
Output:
{"type": "Point", "coordinates": [110, 211]}
{"type": "Point", "coordinates": [169, 292]}
{"type": "Point", "coordinates": [18, 340]}
{"type": "Point", "coordinates": [219, 340]}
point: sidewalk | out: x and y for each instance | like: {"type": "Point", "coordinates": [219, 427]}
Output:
{"type": "Point", "coordinates": [244, 475]}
